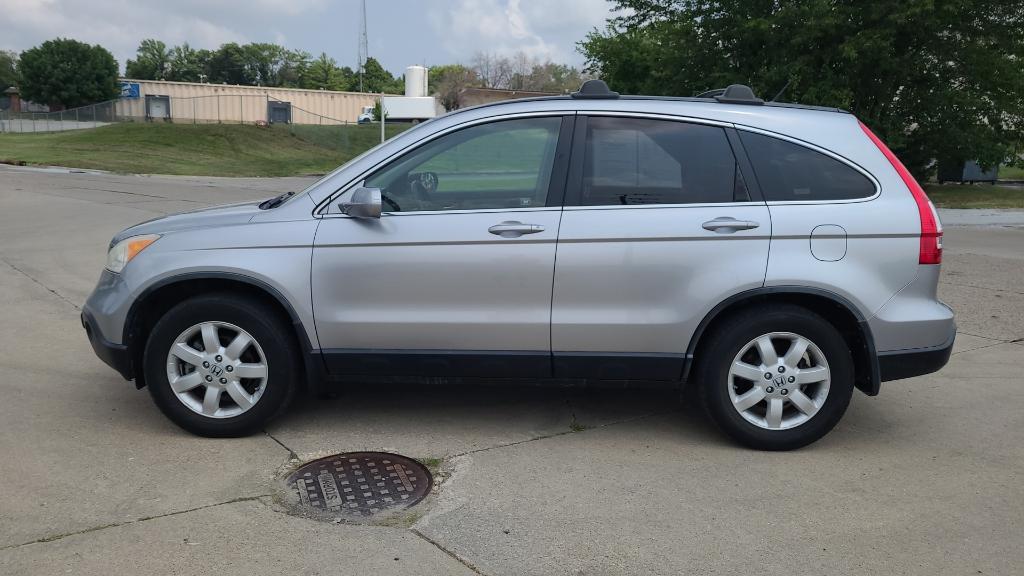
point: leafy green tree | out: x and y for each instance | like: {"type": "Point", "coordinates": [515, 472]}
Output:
{"type": "Point", "coordinates": [189, 64]}
{"type": "Point", "coordinates": [376, 79]}
{"type": "Point", "coordinates": [8, 70]}
{"type": "Point", "coordinates": [445, 82]}
{"type": "Point", "coordinates": [273, 65]}
{"type": "Point", "coordinates": [936, 79]}
{"type": "Point", "coordinates": [229, 64]}
{"type": "Point", "coordinates": [152, 61]}
{"type": "Point", "coordinates": [324, 74]}
{"type": "Point", "coordinates": [69, 73]}
{"type": "Point", "coordinates": [552, 77]}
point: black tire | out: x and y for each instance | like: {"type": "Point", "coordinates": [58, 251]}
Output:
{"type": "Point", "coordinates": [735, 332]}
{"type": "Point", "coordinates": [263, 323]}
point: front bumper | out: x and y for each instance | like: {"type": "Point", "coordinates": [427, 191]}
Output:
{"type": "Point", "coordinates": [116, 356]}
{"type": "Point", "coordinates": [899, 364]}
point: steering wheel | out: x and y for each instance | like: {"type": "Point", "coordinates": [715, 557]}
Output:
{"type": "Point", "coordinates": [423, 184]}
{"type": "Point", "coordinates": [387, 200]}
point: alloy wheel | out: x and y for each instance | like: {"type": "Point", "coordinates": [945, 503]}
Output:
{"type": "Point", "coordinates": [217, 369]}
{"type": "Point", "coordinates": [779, 380]}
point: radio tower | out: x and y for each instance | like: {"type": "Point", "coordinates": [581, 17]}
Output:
{"type": "Point", "coordinates": [363, 49]}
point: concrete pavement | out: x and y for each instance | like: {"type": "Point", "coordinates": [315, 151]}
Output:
{"type": "Point", "coordinates": [924, 479]}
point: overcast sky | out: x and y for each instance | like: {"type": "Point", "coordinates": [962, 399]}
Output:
{"type": "Point", "coordinates": [401, 32]}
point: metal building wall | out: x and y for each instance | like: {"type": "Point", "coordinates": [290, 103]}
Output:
{"type": "Point", "coordinates": [205, 103]}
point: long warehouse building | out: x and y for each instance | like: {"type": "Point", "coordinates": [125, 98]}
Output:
{"type": "Point", "coordinates": [192, 102]}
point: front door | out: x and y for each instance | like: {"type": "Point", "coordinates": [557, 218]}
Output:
{"type": "Point", "coordinates": [659, 227]}
{"type": "Point", "coordinates": [455, 277]}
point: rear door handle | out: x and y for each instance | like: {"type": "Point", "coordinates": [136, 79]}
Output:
{"type": "Point", "coordinates": [513, 229]}
{"type": "Point", "coordinates": [727, 225]}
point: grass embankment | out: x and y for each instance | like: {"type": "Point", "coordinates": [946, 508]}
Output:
{"type": "Point", "coordinates": [975, 196]}
{"type": "Point", "coordinates": [1011, 173]}
{"type": "Point", "coordinates": [201, 150]}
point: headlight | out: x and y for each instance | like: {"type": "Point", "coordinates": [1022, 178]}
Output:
{"type": "Point", "coordinates": [123, 252]}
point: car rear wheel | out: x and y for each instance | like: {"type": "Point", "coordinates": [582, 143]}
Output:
{"type": "Point", "coordinates": [776, 380]}
{"type": "Point", "coordinates": [221, 365]}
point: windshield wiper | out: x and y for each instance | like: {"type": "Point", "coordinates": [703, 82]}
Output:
{"type": "Point", "coordinates": [276, 201]}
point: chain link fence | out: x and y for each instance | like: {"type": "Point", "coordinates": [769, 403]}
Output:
{"type": "Point", "coordinates": [91, 116]}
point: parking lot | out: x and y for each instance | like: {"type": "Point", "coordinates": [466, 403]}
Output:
{"type": "Point", "coordinates": [924, 479]}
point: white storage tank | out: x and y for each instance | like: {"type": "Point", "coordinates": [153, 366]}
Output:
{"type": "Point", "coordinates": [416, 81]}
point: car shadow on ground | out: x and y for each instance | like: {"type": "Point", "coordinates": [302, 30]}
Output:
{"type": "Point", "coordinates": [457, 419]}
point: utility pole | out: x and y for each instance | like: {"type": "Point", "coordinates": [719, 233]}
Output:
{"type": "Point", "coordinates": [363, 45]}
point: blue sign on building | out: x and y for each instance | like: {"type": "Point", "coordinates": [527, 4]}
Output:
{"type": "Point", "coordinates": [129, 89]}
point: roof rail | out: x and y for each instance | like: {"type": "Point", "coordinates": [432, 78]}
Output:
{"type": "Point", "coordinates": [733, 94]}
{"type": "Point", "coordinates": [594, 90]}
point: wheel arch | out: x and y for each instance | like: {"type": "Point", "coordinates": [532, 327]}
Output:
{"type": "Point", "coordinates": [158, 298]}
{"type": "Point", "coordinates": [839, 311]}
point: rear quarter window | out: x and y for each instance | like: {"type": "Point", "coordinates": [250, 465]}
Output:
{"type": "Point", "coordinates": [794, 173]}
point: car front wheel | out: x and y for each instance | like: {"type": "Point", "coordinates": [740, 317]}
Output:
{"type": "Point", "coordinates": [778, 379]}
{"type": "Point", "coordinates": [220, 365]}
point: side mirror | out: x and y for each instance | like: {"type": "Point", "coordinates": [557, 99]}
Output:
{"type": "Point", "coordinates": [364, 203]}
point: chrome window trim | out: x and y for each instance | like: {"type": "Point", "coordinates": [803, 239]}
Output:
{"type": "Point", "coordinates": [656, 116]}
{"type": "Point", "coordinates": [318, 211]}
{"type": "Point", "coordinates": [841, 159]}
{"type": "Point", "coordinates": [655, 206]}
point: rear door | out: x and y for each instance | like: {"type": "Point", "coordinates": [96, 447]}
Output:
{"type": "Point", "coordinates": [455, 277]}
{"type": "Point", "coordinates": [659, 226]}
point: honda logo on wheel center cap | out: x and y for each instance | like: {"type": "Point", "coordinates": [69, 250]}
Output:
{"type": "Point", "coordinates": [216, 370]}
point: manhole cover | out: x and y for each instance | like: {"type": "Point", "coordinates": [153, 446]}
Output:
{"type": "Point", "coordinates": [361, 483]}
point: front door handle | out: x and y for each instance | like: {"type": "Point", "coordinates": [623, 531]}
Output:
{"type": "Point", "coordinates": [513, 229]}
{"type": "Point", "coordinates": [727, 225]}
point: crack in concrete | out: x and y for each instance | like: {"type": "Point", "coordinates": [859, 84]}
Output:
{"type": "Point", "coordinates": [557, 434]}
{"type": "Point", "coordinates": [982, 347]}
{"type": "Point", "coordinates": [87, 189]}
{"type": "Point", "coordinates": [291, 453]}
{"type": "Point", "coordinates": [56, 537]}
{"type": "Point", "coordinates": [451, 554]}
{"type": "Point", "coordinates": [981, 287]}
{"type": "Point", "coordinates": [48, 289]}
{"type": "Point", "coordinates": [985, 337]}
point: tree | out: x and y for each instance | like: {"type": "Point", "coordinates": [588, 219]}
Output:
{"type": "Point", "coordinates": [152, 61]}
{"type": "Point", "coordinates": [69, 73]}
{"type": "Point", "coordinates": [324, 74]}
{"type": "Point", "coordinates": [936, 79]}
{"type": "Point", "coordinates": [8, 70]}
{"type": "Point", "coordinates": [229, 65]}
{"type": "Point", "coordinates": [376, 79]}
{"type": "Point", "coordinates": [189, 64]}
{"type": "Point", "coordinates": [520, 72]}
{"type": "Point", "coordinates": [272, 65]}
{"type": "Point", "coordinates": [445, 82]}
{"type": "Point", "coordinates": [551, 77]}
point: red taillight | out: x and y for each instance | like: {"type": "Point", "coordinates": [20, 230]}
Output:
{"type": "Point", "coordinates": [931, 228]}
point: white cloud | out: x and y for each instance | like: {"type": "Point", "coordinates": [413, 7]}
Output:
{"type": "Point", "coordinates": [402, 32]}
{"type": "Point", "coordinates": [120, 25]}
{"type": "Point", "coordinates": [542, 29]}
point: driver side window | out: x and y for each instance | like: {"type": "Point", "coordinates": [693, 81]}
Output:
{"type": "Point", "coordinates": [499, 165]}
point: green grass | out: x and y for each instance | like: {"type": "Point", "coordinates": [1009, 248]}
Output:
{"type": "Point", "coordinates": [1011, 173]}
{"type": "Point", "coordinates": [975, 196]}
{"type": "Point", "coordinates": [201, 150]}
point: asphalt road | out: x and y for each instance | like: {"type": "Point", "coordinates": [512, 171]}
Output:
{"type": "Point", "coordinates": [924, 479]}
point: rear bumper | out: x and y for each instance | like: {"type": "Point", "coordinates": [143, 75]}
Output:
{"type": "Point", "coordinates": [899, 364]}
{"type": "Point", "coordinates": [114, 355]}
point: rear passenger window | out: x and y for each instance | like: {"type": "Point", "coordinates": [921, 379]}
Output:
{"type": "Point", "coordinates": [641, 161]}
{"type": "Point", "coordinates": [790, 172]}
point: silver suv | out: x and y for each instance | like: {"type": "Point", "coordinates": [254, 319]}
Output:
{"type": "Point", "coordinates": [769, 257]}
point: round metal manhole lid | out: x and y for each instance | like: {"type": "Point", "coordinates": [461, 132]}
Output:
{"type": "Point", "coordinates": [361, 483]}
